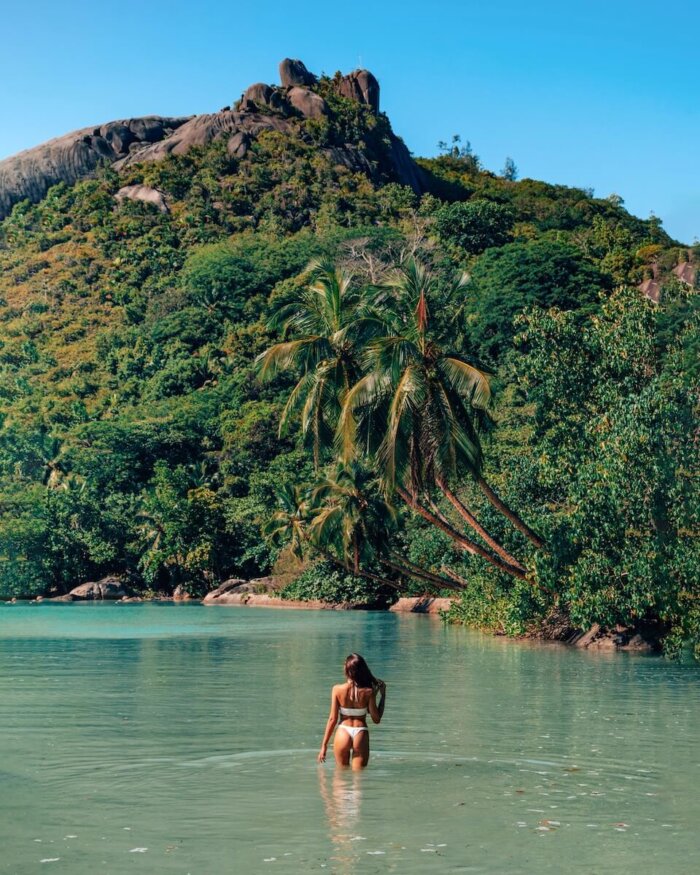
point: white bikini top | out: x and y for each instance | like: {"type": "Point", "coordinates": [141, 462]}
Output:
{"type": "Point", "coordinates": [353, 712]}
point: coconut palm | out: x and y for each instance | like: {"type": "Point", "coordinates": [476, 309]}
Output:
{"type": "Point", "coordinates": [327, 323]}
{"type": "Point", "coordinates": [352, 519]}
{"type": "Point", "coordinates": [418, 410]}
{"type": "Point", "coordinates": [288, 524]}
{"type": "Point", "coordinates": [351, 516]}
{"type": "Point", "coordinates": [429, 398]}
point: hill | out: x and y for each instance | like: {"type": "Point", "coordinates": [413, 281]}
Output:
{"type": "Point", "coordinates": [141, 262]}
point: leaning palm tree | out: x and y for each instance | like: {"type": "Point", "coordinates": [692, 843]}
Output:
{"type": "Point", "coordinates": [352, 520]}
{"type": "Point", "coordinates": [323, 328]}
{"type": "Point", "coordinates": [418, 411]}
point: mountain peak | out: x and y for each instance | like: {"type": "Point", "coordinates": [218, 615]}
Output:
{"type": "Point", "coordinates": [301, 96]}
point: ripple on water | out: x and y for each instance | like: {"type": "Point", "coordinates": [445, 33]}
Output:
{"type": "Point", "coordinates": [185, 740]}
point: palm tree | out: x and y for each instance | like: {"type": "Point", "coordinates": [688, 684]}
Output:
{"type": "Point", "coordinates": [346, 520]}
{"type": "Point", "coordinates": [328, 321]}
{"type": "Point", "coordinates": [353, 520]}
{"type": "Point", "coordinates": [351, 516]}
{"type": "Point", "coordinates": [288, 524]}
{"type": "Point", "coordinates": [418, 410]}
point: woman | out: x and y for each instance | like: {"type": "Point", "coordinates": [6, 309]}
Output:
{"type": "Point", "coordinates": [350, 704]}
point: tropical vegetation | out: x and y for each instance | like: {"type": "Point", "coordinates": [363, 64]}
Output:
{"type": "Point", "coordinates": [463, 393]}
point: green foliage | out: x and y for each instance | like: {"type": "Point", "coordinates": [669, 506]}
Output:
{"type": "Point", "coordinates": [322, 582]}
{"type": "Point", "coordinates": [233, 278]}
{"type": "Point", "coordinates": [474, 226]}
{"type": "Point", "coordinates": [612, 464]}
{"type": "Point", "coordinates": [137, 439]}
{"type": "Point", "coordinates": [506, 281]}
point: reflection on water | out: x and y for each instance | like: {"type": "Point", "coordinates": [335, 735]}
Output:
{"type": "Point", "coordinates": [183, 739]}
{"type": "Point", "coordinates": [341, 791]}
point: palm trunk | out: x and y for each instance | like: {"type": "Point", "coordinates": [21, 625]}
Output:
{"type": "Point", "coordinates": [471, 520]}
{"type": "Point", "coordinates": [464, 543]}
{"type": "Point", "coordinates": [450, 573]}
{"type": "Point", "coordinates": [409, 569]}
{"type": "Point", "coordinates": [359, 573]}
{"type": "Point", "coordinates": [500, 505]}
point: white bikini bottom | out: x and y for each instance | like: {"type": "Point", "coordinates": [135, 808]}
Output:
{"type": "Point", "coordinates": [352, 731]}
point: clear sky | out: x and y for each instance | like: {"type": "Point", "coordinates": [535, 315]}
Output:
{"type": "Point", "coordinates": [602, 94]}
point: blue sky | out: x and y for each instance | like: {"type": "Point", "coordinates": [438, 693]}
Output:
{"type": "Point", "coordinates": [594, 94]}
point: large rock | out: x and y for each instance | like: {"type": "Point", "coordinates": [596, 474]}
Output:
{"type": "Point", "coordinates": [99, 590]}
{"type": "Point", "coordinates": [119, 136]}
{"type": "Point", "coordinates": [144, 193]}
{"type": "Point", "coordinates": [308, 103]}
{"type": "Point", "coordinates": [421, 605]}
{"type": "Point", "coordinates": [362, 86]}
{"type": "Point", "coordinates": [261, 95]}
{"type": "Point", "coordinates": [127, 142]}
{"type": "Point", "coordinates": [293, 72]}
{"type": "Point", "coordinates": [203, 129]}
{"type": "Point", "coordinates": [75, 156]}
{"type": "Point", "coordinates": [404, 168]}
{"type": "Point", "coordinates": [231, 591]}
{"type": "Point", "coordinates": [228, 586]}
{"type": "Point", "coordinates": [238, 144]}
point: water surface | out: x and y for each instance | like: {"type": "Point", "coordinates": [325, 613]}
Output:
{"type": "Point", "coordinates": [177, 738]}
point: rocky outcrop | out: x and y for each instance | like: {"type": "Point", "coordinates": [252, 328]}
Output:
{"type": "Point", "coordinates": [293, 72]}
{"type": "Point", "coordinates": [261, 108]}
{"type": "Point", "coordinates": [260, 95]}
{"type": "Point", "coordinates": [75, 156]}
{"type": "Point", "coordinates": [204, 129]}
{"type": "Point", "coordinates": [308, 103]}
{"type": "Point", "coordinates": [421, 605]}
{"type": "Point", "coordinates": [362, 86]}
{"type": "Point", "coordinates": [231, 591]}
{"type": "Point", "coordinates": [109, 588]}
{"type": "Point", "coordinates": [144, 193]}
{"type": "Point", "coordinates": [598, 638]}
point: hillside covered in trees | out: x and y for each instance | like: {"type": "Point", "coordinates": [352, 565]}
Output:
{"type": "Point", "coordinates": [423, 376]}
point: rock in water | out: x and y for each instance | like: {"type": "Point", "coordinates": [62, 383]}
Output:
{"type": "Point", "coordinates": [107, 588]}
{"type": "Point", "coordinates": [233, 590]}
{"type": "Point", "coordinates": [228, 586]}
{"type": "Point", "coordinates": [293, 72]}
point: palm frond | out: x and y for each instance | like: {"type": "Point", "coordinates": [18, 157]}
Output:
{"type": "Point", "coordinates": [467, 380]}
{"type": "Point", "coordinates": [367, 392]}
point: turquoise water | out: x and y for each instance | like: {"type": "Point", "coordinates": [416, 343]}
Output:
{"type": "Point", "coordinates": [177, 738]}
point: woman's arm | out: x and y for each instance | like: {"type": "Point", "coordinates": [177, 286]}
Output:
{"type": "Point", "coordinates": [376, 711]}
{"type": "Point", "coordinates": [330, 726]}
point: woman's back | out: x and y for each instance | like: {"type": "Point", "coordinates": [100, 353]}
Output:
{"type": "Point", "coordinates": [353, 701]}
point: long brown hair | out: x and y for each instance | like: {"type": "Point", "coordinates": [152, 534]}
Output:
{"type": "Point", "coordinates": [357, 671]}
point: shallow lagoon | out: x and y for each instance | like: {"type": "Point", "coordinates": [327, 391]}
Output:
{"type": "Point", "coordinates": [178, 738]}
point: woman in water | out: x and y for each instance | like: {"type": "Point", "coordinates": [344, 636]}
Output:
{"type": "Point", "coordinates": [350, 704]}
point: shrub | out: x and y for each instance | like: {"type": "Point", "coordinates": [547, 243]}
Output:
{"type": "Point", "coordinates": [474, 226]}
{"type": "Point", "coordinates": [324, 583]}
